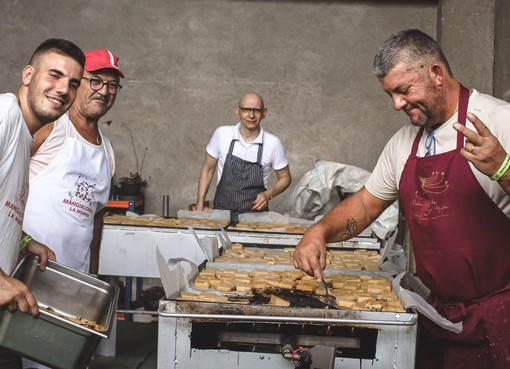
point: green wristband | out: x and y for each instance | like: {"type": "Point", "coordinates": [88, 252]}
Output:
{"type": "Point", "coordinates": [24, 242]}
{"type": "Point", "coordinates": [502, 169]}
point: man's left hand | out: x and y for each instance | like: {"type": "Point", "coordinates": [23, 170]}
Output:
{"type": "Point", "coordinates": [43, 251]}
{"type": "Point", "coordinates": [482, 148]}
{"type": "Point", "coordinates": [261, 202]}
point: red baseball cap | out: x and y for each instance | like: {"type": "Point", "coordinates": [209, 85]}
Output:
{"type": "Point", "coordinates": [101, 59]}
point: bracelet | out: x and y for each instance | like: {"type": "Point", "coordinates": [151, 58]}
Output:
{"type": "Point", "coordinates": [24, 242]}
{"type": "Point", "coordinates": [502, 169]}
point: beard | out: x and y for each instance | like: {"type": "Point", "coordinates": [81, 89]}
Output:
{"type": "Point", "coordinates": [429, 112]}
{"type": "Point", "coordinates": [41, 107]}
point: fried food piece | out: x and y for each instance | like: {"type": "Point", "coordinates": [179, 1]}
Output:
{"type": "Point", "coordinates": [278, 301]}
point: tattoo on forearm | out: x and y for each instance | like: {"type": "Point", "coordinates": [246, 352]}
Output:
{"type": "Point", "coordinates": [350, 229]}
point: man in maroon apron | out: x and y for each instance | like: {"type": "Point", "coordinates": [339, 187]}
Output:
{"type": "Point", "coordinates": [454, 183]}
{"type": "Point", "coordinates": [244, 169]}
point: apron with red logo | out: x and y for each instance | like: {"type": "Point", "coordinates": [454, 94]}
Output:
{"type": "Point", "coordinates": [65, 197]}
{"type": "Point", "coordinates": [461, 242]}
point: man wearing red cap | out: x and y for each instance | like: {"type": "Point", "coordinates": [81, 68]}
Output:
{"type": "Point", "coordinates": [74, 161]}
{"type": "Point", "coordinates": [71, 169]}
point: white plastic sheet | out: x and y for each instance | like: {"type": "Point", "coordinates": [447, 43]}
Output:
{"type": "Point", "coordinates": [315, 194]}
{"type": "Point", "coordinates": [412, 300]}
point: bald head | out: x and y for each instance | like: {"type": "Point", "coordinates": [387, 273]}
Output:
{"type": "Point", "coordinates": [250, 96]}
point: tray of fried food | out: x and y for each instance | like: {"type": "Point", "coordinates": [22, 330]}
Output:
{"type": "Point", "coordinates": [354, 291]}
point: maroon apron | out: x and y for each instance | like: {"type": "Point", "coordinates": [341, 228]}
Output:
{"type": "Point", "coordinates": [461, 242]}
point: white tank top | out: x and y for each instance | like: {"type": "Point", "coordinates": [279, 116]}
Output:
{"type": "Point", "coordinates": [66, 195]}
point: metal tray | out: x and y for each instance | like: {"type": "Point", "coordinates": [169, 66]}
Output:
{"type": "Point", "coordinates": [50, 339]}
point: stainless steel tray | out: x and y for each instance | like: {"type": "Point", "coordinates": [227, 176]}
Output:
{"type": "Point", "coordinates": [50, 339]}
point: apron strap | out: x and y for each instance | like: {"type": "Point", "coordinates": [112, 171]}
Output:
{"type": "Point", "coordinates": [259, 155]}
{"type": "Point", "coordinates": [416, 142]}
{"type": "Point", "coordinates": [462, 113]}
{"type": "Point", "coordinates": [461, 118]}
{"type": "Point", "coordinates": [231, 148]}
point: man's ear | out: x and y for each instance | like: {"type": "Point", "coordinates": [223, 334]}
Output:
{"type": "Point", "coordinates": [27, 74]}
{"type": "Point", "coordinates": [436, 72]}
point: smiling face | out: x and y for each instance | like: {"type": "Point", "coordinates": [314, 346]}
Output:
{"type": "Point", "coordinates": [418, 93]}
{"type": "Point", "coordinates": [52, 82]}
{"type": "Point", "coordinates": [91, 104]}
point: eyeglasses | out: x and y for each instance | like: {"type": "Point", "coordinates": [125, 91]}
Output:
{"type": "Point", "coordinates": [256, 111]}
{"type": "Point", "coordinates": [97, 84]}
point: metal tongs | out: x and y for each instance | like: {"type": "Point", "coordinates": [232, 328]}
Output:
{"type": "Point", "coordinates": [326, 287]}
{"type": "Point", "coordinates": [234, 219]}
{"type": "Point", "coordinates": [329, 299]}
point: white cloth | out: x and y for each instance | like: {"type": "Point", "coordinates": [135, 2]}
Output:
{"type": "Point", "coordinates": [312, 196]}
{"type": "Point", "coordinates": [66, 196]}
{"type": "Point", "coordinates": [385, 179]}
{"type": "Point", "coordinates": [15, 141]}
{"type": "Point", "coordinates": [52, 145]}
{"type": "Point", "coordinates": [273, 155]}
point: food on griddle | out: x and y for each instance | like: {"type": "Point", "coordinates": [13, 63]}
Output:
{"type": "Point", "coordinates": [164, 222]}
{"type": "Point", "coordinates": [351, 291]}
{"type": "Point", "coordinates": [80, 321]}
{"type": "Point", "coordinates": [287, 228]}
{"type": "Point", "coordinates": [308, 286]}
{"type": "Point", "coordinates": [346, 301]}
{"type": "Point", "coordinates": [226, 286]}
{"type": "Point", "coordinates": [202, 284]}
{"type": "Point", "coordinates": [211, 297]}
{"type": "Point", "coordinates": [283, 283]}
{"type": "Point", "coordinates": [278, 301]}
{"type": "Point", "coordinates": [259, 284]}
{"type": "Point", "coordinates": [186, 295]}
{"type": "Point", "coordinates": [335, 259]}
{"type": "Point", "coordinates": [241, 287]}
{"type": "Point", "coordinates": [237, 246]}
{"type": "Point", "coordinates": [258, 272]}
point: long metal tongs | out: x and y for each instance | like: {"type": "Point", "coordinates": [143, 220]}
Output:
{"type": "Point", "coordinates": [326, 287]}
{"type": "Point", "coordinates": [329, 299]}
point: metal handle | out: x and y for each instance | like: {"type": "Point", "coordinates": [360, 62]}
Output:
{"type": "Point", "coordinates": [166, 206]}
{"type": "Point", "coordinates": [411, 321]}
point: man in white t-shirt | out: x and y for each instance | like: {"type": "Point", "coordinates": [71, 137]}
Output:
{"type": "Point", "coordinates": [74, 161]}
{"type": "Point", "coordinates": [49, 86]}
{"type": "Point", "coordinates": [244, 155]}
{"type": "Point", "coordinates": [451, 174]}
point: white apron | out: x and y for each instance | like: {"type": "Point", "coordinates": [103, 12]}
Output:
{"type": "Point", "coordinates": [64, 198]}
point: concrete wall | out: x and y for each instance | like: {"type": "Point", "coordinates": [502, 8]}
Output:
{"type": "Point", "coordinates": [502, 49]}
{"type": "Point", "coordinates": [187, 63]}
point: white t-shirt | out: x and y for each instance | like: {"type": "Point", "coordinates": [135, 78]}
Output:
{"type": "Point", "coordinates": [15, 141]}
{"type": "Point", "coordinates": [273, 154]}
{"type": "Point", "coordinates": [385, 179]}
{"type": "Point", "coordinates": [52, 145]}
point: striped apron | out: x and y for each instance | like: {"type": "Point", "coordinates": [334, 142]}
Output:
{"type": "Point", "coordinates": [240, 183]}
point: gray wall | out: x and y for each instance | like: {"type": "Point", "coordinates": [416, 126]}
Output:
{"type": "Point", "coordinates": [187, 63]}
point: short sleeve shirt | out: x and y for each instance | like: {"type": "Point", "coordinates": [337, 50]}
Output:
{"type": "Point", "coordinates": [273, 154]}
{"type": "Point", "coordinates": [15, 141]}
{"type": "Point", "coordinates": [384, 181]}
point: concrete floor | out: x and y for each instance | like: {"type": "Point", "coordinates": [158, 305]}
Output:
{"type": "Point", "coordinates": [136, 347]}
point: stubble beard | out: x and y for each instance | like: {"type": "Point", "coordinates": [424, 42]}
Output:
{"type": "Point", "coordinates": [431, 112]}
{"type": "Point", "coordinates": [36, 100]}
